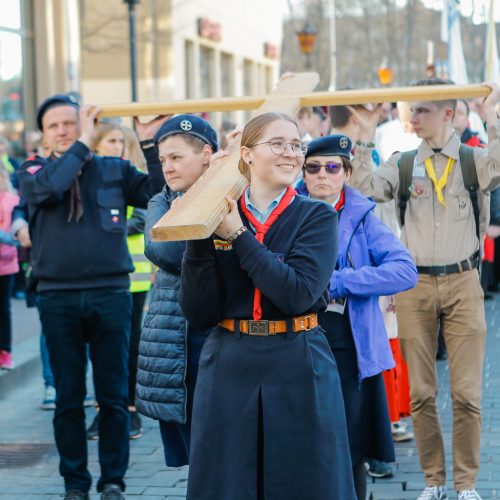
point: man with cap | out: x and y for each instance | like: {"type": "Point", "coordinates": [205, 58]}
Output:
{"type": "Point", "coordinates": [77, 216]}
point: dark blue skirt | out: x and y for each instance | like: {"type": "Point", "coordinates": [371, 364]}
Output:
{"type": "Point", "coordinates": [176, 437]}
{"type": "Point", "coordinates": [367, 413]}
{"type": "Point", "coordinates": [269, 421]}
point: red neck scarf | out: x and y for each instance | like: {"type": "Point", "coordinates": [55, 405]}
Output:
{"type": "Point", "coordinates": [261, 230]}
{"type": "Point", "coordinates": [340, 204]}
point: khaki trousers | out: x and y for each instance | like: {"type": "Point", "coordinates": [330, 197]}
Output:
{"type": "Point", "coordinates": [456, 299]}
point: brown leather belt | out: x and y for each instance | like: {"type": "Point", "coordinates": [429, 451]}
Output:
{"type": "Point", "coordinates": [264, 328]}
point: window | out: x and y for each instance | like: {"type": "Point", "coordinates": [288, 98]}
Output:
{"type": "Point", "coordinates": [189, 65]}
{"type": "Point", "coordinates": [207, 72]}
{"type": "Point", "coordinates": [11, 74]}
{"type": "Point", "coordinates": [227, 82]}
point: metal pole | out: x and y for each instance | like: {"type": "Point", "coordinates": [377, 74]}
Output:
{"type": "Point", "coordinates": [333, 46]}
{"type": "Point", "coordinates": [133, 45]}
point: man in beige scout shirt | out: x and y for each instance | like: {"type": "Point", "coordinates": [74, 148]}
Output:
{"type": "Point", "coordinates": [440, 233]}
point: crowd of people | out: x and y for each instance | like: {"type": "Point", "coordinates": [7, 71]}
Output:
{"type": "Point", "coordinates": [291, 346]}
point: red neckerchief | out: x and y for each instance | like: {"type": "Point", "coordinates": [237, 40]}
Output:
{"type": "Point", "coordinates": [261, 230]}
{"type": "Point", "coordinates": [340, 204]}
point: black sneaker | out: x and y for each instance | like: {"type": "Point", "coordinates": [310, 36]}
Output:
{"type": "Point", "coordinates": [112, 492]}
{"type": "Point", "coordinates": [93, 430]}
{"type": "Point", "coordinates": [76, 495]}
{"type": "Point", "coordinates": [135, 426]}
{"type": "Point", "coordinates": [376, 468]}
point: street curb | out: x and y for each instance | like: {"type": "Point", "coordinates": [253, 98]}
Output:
{"type": "Point", "coordinates": [27, 364]}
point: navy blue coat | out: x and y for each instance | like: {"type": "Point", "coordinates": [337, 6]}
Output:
{"type": "Point", "coordinates": [161, 367]}
{"type": "Point", "coordinates": [266, 406]}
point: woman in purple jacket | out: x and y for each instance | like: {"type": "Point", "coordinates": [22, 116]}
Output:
{"type": "Point", "coordinates": [371, 262]}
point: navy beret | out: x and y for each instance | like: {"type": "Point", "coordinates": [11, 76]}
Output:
{"type": "Point", "coordinates": [52, 102]}
{"type": "Point", "coordinates": [190, 125]}
{"type": "Point", "coordinates": [330, 145]}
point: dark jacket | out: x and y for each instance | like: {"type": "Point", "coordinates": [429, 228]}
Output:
{"type": "Point", "coordinates": [161, 367]}
{"type": "Point", "coordinates": [91, 252]}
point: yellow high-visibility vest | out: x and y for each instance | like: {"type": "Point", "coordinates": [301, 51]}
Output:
{"type": "Point", "coordinates": [140, 279]}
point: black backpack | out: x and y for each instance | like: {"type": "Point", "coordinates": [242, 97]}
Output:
{"type": "Point", "coordinates": [466, 155]}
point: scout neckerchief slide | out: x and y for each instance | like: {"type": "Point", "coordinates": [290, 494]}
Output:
{"type": "Point", "coordinates": [439, 185]}
{"type": "Point", "coordinates": [261, 230]}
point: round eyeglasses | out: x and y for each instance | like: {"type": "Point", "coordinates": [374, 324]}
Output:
{"type": "Point", "coordinates": [279, 147]}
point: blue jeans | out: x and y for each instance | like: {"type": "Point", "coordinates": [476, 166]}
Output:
{"type": "Point", "coordinates": [48, 376]}
{"type": "Point", "coordinates": [70, 319]}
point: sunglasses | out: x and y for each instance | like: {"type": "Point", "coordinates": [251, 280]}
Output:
{"type": "Point", "coordinates": [332, 167]}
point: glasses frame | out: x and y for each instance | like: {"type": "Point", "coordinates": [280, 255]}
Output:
{"type": "Point", "coordinates": [326, 166]}
{"type": "Point", "coordinates": [302, 149]}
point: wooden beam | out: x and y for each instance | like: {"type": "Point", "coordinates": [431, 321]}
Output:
{"type": "Point", "coordinates": [390, 94]}
{"type": "Point", "coordinates": [202, 208]}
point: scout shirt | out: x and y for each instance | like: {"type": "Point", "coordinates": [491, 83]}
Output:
{"type": "Point", "coordinates": [434, 234]}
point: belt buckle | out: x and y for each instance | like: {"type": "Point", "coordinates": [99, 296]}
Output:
{"type": "Point", "coordinates": [258, 327]}
{"type": "Point", "coordinates": [303, 321]}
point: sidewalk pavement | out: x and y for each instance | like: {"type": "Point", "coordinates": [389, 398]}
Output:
{"type": "Point", "coordinates": [23, 425]}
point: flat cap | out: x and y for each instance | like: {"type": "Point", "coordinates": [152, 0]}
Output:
{"type": "Point", "coordinates": [52, 102]}
{"type": "Point", "coordinates": [330, 145]}
{"type": "Point", "coordinates": [189, 125]}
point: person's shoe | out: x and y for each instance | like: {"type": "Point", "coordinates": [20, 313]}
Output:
{"type": "Point", "coordinates": [399, 432]}
{"type": "Point", "coordinates": [49, 398]}
{"type": "Point", "coordinates": [93, 430]}
{"type": "Point", "coordinates": [433, 493]}
{"type": "Point", "coordinates": [6, 361]}
{"type": "Point", "coordinates": [376, 468]}
{"type": "Point", "coordinates": [112, 492]}
{"type": "Point", "coordinates": [76, 495]}
{"type": "Point", "coordinates": [468, 495]}
{"type": "Point", "coordinates": [135, 425]}
{"type": "Point", "coordinates": [88, 402]}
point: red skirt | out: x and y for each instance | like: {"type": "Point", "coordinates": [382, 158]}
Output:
{"type": "Point", "coordinates": [397, 386]}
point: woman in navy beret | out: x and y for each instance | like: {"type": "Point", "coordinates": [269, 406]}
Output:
{"type": "Point", "coordinates": [170, 346]}
{"type": "Point", "coordinates": [265, 424]}
{"type": "Point", "coordinates": [371, 262]}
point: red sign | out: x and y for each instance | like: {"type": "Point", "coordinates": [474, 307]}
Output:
{"type": "Point", "coordinates": [209, 29]}
{"type": "Point", "coordinates": [270, 50]}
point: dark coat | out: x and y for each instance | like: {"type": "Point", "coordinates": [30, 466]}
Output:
{"type": "Point", "coordinates": [161, 367]}
{"type": "Point", "coordinates": [270, 406]}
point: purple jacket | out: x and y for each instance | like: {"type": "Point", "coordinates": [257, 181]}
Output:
{"type": "Point", "coordinates": [372, 262]}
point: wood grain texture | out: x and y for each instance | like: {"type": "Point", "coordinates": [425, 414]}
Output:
{"type": "Point", "coordinates": [390, 94]}
{"type": "Point", "coordinates": [202, 208]}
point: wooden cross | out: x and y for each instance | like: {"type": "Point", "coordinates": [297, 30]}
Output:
{"type": "Point", "coordinates": [204, 205]}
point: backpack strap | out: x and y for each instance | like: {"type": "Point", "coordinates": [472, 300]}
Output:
{"type": "Point", "coordinates": [471, 183]}
{"type": "Point", "coordinates": [405, 174]}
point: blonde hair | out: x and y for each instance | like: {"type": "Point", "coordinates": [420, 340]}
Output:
{"type": "Point", "coordinates": [253, 131]}
{"type": "Point", "coordinates": [133, 151]}
{"type": "Point", "coordinates": [102, 130]}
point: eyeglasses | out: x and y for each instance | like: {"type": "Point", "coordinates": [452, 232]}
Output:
{"type": "Point", "coordinates": [279, 147]}
{"type": "Point", "coordinates": [332, 167]}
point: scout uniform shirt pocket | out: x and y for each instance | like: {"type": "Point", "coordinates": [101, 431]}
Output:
{"type": "Point", "coordinates": [112, 210]}
{"type": "Point", "coordinates": [420, 203]}
{"type": "Point", "coordinates": [460, 204]}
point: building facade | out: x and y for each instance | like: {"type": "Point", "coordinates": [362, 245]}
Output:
{"type": "Point", "coordinates": [185, 50]}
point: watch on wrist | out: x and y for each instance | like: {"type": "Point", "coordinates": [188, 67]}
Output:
{"type": "Point", "coordinates": [147, 143]}
{"type": "Point", "coordinates": [237, 233]}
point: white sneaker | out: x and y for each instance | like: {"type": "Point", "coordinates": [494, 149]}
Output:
{"type": "Point", "coordinates": [468, 495]}
{"type": "Point", "coordinates": [49, 399]}
{"type": "Point", "coordinates": [399, 432]}
{"type": "Point", "coordinates": [434, 493]}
